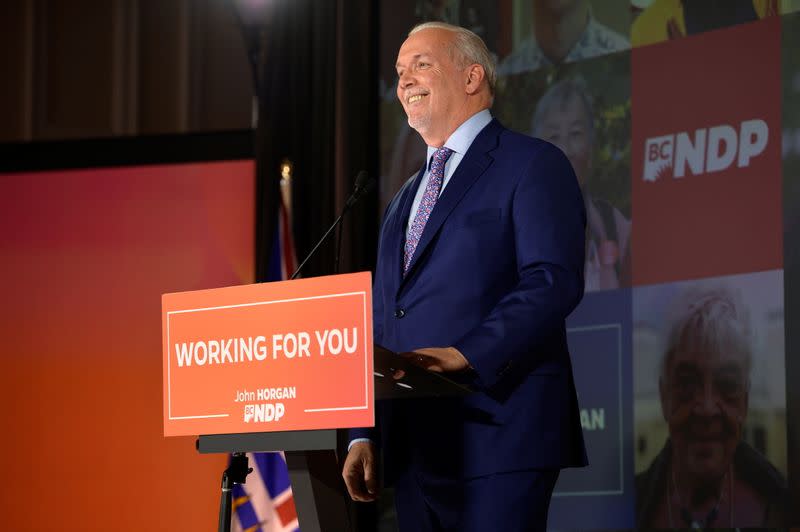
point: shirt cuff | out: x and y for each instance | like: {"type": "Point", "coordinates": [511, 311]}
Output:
{"type": "Point", "coordinates": [358, 440]}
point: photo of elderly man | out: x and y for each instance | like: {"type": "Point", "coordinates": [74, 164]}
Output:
{"type": "Point", "coordinates": [564, 31]}
{"type": "Point", "coordinates": [717, 346]}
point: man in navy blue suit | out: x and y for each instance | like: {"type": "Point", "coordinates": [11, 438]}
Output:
{"type": "Point", "coordinates": [480, 261]}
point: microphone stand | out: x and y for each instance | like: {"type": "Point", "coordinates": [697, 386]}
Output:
{"type": "Point", "coordinates": [235, 474]}
{"type": "Point", "coordinates": [238, 469]}
{"type": "Point", "coordinates": [321, 240]}
{"type": "Point", "coordinates": [363, 185]}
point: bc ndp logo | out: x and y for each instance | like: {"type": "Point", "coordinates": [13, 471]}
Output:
{"type": "Point", "coordinates": [705, 151]}
{"type": "Point", "coordinates": [263, 412]}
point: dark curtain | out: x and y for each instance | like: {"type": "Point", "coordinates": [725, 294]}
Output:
{"type": "Point", "coordinates": [296, 119]}
{"type": "Point", "coordinates": [319, 101]}
{"type": "Point", "coordinates": [319, 110]}
{"type": "Point", "coordinates": [357, 146]}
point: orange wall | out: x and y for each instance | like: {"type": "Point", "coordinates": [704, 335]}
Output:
{"type": "Point", "coordinates": [84, 258]}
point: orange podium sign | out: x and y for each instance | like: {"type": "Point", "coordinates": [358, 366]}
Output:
{"type": "Point", "coordinates": [290, 355]}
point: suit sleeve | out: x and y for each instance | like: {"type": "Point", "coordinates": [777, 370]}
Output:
{"type": "Point", "coordinates": [549, 219]}
{"type": "Point", "coordinates": [371, 433]}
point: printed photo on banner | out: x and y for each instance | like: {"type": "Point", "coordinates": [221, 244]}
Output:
{"type": "Point", "coordinates": [705, 155]}
{"type": "Point", "coordinates": [662, 20]}
{"type": "Point", "coordinates": [710, 403]}
{"type": "Point", "coordinates": [554, 32]}
{"type": "Point", "coordinates": [584, 109]}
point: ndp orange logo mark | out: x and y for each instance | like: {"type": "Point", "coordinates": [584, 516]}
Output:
{"type": "Point", "coordinates": [264, 412]}
{"type": "Point", "coordinates": [709, 150]}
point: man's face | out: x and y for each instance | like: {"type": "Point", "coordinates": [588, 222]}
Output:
{"type": "Point", "coordinates": [430, 86]}
{"type": "Point", "coordinates": [704, 400]}
{"type": "Point", "coordinates": [567, 126]}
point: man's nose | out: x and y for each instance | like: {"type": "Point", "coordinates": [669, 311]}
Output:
{"type": "Point", "coordinates": [406, 80]}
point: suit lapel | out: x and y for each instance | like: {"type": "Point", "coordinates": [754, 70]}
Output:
{"type": "Point", "coordinates": [472, 166]}
{"type": "Point", "coordinates": [398, 229]}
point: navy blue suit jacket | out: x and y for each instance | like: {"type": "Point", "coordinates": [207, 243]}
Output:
{"type": "Point", "coordinates": [497, 270]}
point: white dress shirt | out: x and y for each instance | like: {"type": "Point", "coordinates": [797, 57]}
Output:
{"type": "Point", "coordinates": [459, 142]}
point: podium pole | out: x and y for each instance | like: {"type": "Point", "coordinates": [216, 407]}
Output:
{"type": "Point", "coordinates": [236, 473]}
{"type": "Point", "coordinates": [316, 486]}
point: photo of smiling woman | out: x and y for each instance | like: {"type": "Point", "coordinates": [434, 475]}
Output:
{"type": "Point", "coordinates": [710, 430]}
{"type": "Point", "coordinates": [584, 109]}
{"type": "Point", "coordinates": [565, 116]}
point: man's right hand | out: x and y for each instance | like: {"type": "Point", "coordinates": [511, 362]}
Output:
{"type": "Point", "coordinates": [359, 472]}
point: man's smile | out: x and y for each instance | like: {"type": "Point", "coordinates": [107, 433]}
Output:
{"type": "Point", "coordinates": [416, 97]}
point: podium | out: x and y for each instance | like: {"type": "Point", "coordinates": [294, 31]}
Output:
{"type": "Point", "coordinates": [314, 471]}
{"type": "Point", "coordinates": [294, 359]}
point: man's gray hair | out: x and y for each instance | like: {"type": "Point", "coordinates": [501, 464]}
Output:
{"type": "Point", "coordinates": [467, 49]}
{"type": "Point", "coordinates": [557, 96]}
{"type": "Point", "coordinates": [708, 319]}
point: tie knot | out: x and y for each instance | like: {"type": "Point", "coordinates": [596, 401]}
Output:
{"type": "Point", "coordinates": [440, 157]}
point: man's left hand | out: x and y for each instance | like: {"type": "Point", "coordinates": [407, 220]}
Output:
{"type": "Point", "coordinates": [438, 359]}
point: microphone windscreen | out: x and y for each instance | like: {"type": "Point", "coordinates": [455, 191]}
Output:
{"type": "Point", "coordinates": [362, 179]}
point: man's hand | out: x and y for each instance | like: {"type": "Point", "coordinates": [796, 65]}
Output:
{"type": "Point", "coordinates": [359, 472]}
{"type": "Point", "coordinates": [438, 359]}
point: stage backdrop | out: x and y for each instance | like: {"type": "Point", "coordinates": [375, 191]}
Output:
{"type": "Point", "coordinates": [672, 114]}
{"type": "Point", "coordinates": [86, 254]}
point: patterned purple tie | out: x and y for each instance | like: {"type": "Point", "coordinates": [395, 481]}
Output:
{"type": "Point", "coordinates": [429, 198]}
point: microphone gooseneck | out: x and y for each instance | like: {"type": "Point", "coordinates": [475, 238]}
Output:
{"type": "Point", "coordinates": [363, 184]}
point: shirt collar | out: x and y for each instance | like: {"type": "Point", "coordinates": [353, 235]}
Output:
{"type": "Point", "coordinates": [465, 134]}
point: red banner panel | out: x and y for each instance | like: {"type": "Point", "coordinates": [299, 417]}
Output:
{"type": "Point", "coordinates": [706, 155]}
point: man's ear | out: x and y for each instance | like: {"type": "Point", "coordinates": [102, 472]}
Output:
{"type": "Point", "coordinates": [475, 76]}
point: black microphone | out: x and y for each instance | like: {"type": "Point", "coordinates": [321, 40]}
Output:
{"type": "Point", "coordinates": [364, 184]}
